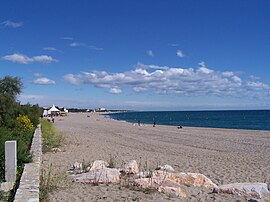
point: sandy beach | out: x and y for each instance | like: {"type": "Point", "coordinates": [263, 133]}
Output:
{"type": "Point", "coordinates": [223, 155]}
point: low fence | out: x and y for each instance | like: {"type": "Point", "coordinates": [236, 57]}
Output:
{"type": "Point", "coordinates": [29, 184]}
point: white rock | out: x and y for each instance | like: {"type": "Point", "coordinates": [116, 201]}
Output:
{"type": "Point", "coordinates": [104, 175]}
{"type": "Point", "coordinates": [144, 174]}
{"type": "Point", "coordinates": [252, 190]}
{"type": "Point", "coordinates": [192, 179]}
{"type": "Point", "coordinates": [166, 168]}
{"type": "Point", "coordinates": [77, 166]}
{"type": "Point", "coordinates": [131, 167]}
{"type": "Point", "coordinates": [162, 185]}
{"type": "Point", "coordinates": [99, 164]}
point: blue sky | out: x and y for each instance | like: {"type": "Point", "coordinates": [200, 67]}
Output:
{"type": "Point", "coordinates": [144, 55]}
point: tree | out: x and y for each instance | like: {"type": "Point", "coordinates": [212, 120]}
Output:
{"type": "Point", "coordinates": [10, 87]}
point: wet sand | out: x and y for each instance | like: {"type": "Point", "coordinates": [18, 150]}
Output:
{"type": "Point", "coordinates": [223, 155]}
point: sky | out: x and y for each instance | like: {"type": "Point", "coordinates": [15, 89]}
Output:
{"type": "Point", "coordinates": [139, 55]}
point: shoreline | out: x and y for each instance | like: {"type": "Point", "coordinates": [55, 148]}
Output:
{"type": "Point", "coordinates": [223, 155]}
{"type": "Point", "coordinates": [157, 124]}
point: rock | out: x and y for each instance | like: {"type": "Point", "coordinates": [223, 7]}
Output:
{"type": "Point", "coordinates": [6, 186]}
{"type": "Point", "coordinates": [99, 164]}
{"type": "Point", "coordinates": [251, 190]}
{"type": "Point", "coordinates": [144, 174]}
{"type": "Point", "coordinates": [131, 167]}
{"type": "Point", "coordinates": [104, 175]}
{"type": "Point", "coordinates": [166, 168]}
{"type": "Point", "coordinates": [77, 168]}
{"type": "Point", "coordinates": [161, 185]}
{"type": "Point", "coordinates": [191, 179]}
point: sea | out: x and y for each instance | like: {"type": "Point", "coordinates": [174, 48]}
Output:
{"type": "Point", "coordinates": [234, 119]}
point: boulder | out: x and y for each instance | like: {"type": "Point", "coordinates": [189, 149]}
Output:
{"type": "Point", "coordinates": [131, 167]}
{"type": "Point", "coordinates": [161, 185]}
{"type": "Point", "coordinates": [166, 168]}
{"type": "Point", "coordinates": [99, 164]}
{"type": "Point", "coordinates": [104, 175]}
{"type": "Point", "coordinates": [250, 190]}
{"type": "Point", "coordinates": [190, 179]}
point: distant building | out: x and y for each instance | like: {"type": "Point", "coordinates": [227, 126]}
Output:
{"type": "Point", "coordinates": [101, 109]}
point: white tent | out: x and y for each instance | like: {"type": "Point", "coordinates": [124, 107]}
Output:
{"type": "Point", "coordinates": [53, 110]}
{"type": "Point", "coordinates": [45, 113]}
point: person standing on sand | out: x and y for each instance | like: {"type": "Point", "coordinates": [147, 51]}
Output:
{"type": "Point", "coordinates": [154, 125]}
{"type": "Point", "coordinates": [139, 123]}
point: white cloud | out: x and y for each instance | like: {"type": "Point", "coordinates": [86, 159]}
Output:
{"type": "Point", "coordinates": [67, 38]}
{"type": "Point", "coordinates": [202, 64]}
{"type": "Point", "coordinates": [94, 47]}
{"type": "Point", "coordinates": [173, 44]}
{"type": "Point", "coordinates": [227, 74]}
{"type": "Point", "coordinates": [11, 24]}
{"type": "Point", "coordinates": [50, 49]}
{"type": "Point", "coordinates": [115, 90]}
{"type": "Point", "coordinates": [150, 53]}
{"type": "Point", "coordinates": [37, 74]}
{"type": "Point", "coordinates": [254, 77]}
{"type": "Point", "coordinates": [257, 85]}
{"type": "Point", "coordinates": [169, 80]}
{"type": "Point", "coordinates": [76, 44]}
{"type": "Point", "coordinates": [180, 54]}
{"type": "Point", "coordinates": [43, 81]}
{"type": "Point", "coordinates": [23, 59]}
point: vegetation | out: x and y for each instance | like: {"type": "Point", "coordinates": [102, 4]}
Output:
{"type": "Point", "coordinates": [50, 181]}
{"type": "Point", "coordinates": [51, 139]}
{"type": "Point", "coordinates": [17, 122]}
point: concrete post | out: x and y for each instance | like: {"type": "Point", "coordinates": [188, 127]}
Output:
{"type": "Point", "coordinates": [10, 161]}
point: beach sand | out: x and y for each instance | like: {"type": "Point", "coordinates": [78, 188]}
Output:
{"type": "Point", "coordinates": [223, 155]}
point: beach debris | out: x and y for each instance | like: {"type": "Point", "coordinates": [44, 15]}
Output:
{"type": "Point", "coordinates": [103, 176]}
{"type": "Point", "coordinates": [99, 164]}
{"type": "Point", "coordinates": [166, 168]}
{"type": "Point", "coordinates": [131, 167]}
{"type": "Point", "coordinates": [251, 190]}
{"type": "Point", "coordinates": [160, 184]}
{"type": "Point", "coordinates": [190, 179]}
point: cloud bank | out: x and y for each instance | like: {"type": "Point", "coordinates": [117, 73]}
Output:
{"type": "Point", "coordinates": [170, 80]}
{"type": "Point", "coordinates": [23, 59]}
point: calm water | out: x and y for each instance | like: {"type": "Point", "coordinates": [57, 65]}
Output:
{"type": "Point", "coordinates": [246, 119]}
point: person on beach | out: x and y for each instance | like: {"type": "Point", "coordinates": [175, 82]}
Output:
{"type": "Point", "coordinates": [154, 125]}
{"type": "Point", "coordinates": [179, 127]}
{"type": "Point", "coordinates": [139, 123]}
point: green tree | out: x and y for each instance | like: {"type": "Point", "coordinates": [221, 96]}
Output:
{"type": "Point", "coordinates": [10, 87]}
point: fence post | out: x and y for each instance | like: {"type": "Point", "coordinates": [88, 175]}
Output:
{"type": "Point", "coordinates": [10, 161]}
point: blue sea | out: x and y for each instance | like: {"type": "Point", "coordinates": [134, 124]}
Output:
{"type": "Point", "coordinates": [236, 119]}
